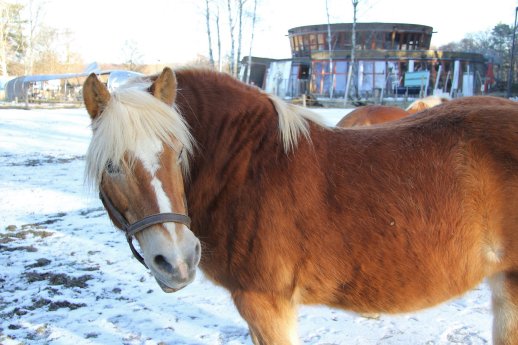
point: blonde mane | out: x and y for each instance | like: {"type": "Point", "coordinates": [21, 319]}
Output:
{"type": "Point", "coordinates": [425, 103]}
{"type": "Point", "coordinates": [293, 122]}
{"type": "Point", "coordinates": [132, 116]}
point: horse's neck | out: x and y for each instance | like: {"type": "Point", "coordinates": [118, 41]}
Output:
{"type": "Point", "coordinates": [235, 128]}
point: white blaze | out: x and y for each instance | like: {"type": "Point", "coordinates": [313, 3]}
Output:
{"type": "Point", "coordinates": [149, 155]}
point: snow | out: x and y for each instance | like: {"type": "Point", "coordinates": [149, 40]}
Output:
{"type": "Point", "coordinates": [68, 276]}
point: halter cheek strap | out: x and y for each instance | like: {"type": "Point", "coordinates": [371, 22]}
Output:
{"type": "Point", "coordinates": [131, 229]}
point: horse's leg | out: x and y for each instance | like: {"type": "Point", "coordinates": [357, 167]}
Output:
{"type": "Point", "coordinates": [504, 287]}
{"type": "Point", "coordinates": [272, 319]}
{"type": "Point", "coordinates": [255, 339]}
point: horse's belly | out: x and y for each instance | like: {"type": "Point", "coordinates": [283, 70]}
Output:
{"type": "Point", "coordinates": [396, 289]}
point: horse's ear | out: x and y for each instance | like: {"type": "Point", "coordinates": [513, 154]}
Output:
{"type": "Point", "coordinates": [95, 95]}
{"type": "Point", "coordinates": [164, 87]}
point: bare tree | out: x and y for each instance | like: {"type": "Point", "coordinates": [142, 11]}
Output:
{"type": "Point", "coordinates": [251, 44]}
{"type": "Point", "coordinates": [207, 20]}
{"type": "Point", "coordinates": [235, 45]}
{"type": "Point", "coordinates": [132, 54]}
{"type": "Point", "coordinates": [27, 46]}
{"type": "Point", "coordinates": [329, 43]}
{"type": "Point", "coordinates": [35, 16]}
{"type": "Point", "coordinates": [236, 13]}
{"type": "Point", "coordinates": [45, 57]}
{"type": "Point", "coordinates": [11, 37]}
{"type": "Point", "coordinates": [218, 33]}
{"type": "Point", "coordinates": [231, 26]}
{"type": "Point", "coordinates": [351, 77]}
{"type": "Point", "coordinates": [240, 6]}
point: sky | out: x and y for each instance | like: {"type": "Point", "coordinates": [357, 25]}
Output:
{"type": "Point", "coordinates": [174, 31]}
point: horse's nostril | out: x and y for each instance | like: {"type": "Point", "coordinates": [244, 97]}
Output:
{"type": "Point", "coordinates": [195, 256]}
{"type": "Point", "coordinates": [162, 264]}
{"type": "Point", "coordinates": [197, 250]}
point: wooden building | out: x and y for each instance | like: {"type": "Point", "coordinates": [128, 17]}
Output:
{"type": "Point", "coordinates": [391, 59]}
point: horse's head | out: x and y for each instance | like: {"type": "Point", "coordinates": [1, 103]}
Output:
{"type": "Point", "coordinates": [137, 159]}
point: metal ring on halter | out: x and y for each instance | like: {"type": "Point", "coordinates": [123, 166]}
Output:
{"type": "Point", "coordinates": [131, 229]}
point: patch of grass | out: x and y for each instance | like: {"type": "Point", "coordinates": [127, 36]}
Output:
{"type": "Point", "coordinates": [53, 305]}
{"type": "Point", "coordinates": [65, 304]}
{"type": "Point", "coordinates": [30, 249]}
{"type": "Point", "coordinates": [58, 279]}
{"type": "Point", "coordinates": [23, 234]}
{"type": "Point", "coordinates": [39, 263]}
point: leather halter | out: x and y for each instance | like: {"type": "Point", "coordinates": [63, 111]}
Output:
{"type": "Point", "coordinates": [131, 229]}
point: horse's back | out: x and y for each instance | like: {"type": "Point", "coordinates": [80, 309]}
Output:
{"type": "Point", "coordinates": [371, 114]}
{"type": "Point", "coordinates": [424, 207]}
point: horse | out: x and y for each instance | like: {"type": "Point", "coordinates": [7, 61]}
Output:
{"type": "Point", "coordinates": [370, 115]}
{"type": "Point", "coordinates": [288, 211]}
{"type": "Point", "coordinates": [425, 103]}
{"type": "Point", "coordinates": [375, 114]}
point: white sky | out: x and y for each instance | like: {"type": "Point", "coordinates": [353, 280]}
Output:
{"type": "Point", "coordinates": [174, 31]}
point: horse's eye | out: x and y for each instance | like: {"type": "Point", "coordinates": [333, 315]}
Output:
{"type": "Point", "coordinates": [112, 168]}
{"type": "Point", "coordinates": [180, 157]}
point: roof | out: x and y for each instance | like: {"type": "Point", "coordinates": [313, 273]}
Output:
{"type": "Point", "coordinates": [372, 26]}
{"type": "Point", "coordinates": [17, 87]}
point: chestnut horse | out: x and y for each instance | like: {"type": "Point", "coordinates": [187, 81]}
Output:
{"type": "Point", "coordinates": [370, 115]}
{"type": "Point", "coordinates": [392, 219]}
{"type": "Point", "coordinates": [374, 114]}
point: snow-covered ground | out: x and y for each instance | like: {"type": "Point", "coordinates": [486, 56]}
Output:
{"type": "Point", "coordinates": [68, 277]}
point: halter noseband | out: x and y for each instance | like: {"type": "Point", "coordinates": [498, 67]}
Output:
{"type": "Point", "coordinates": [131, 229]}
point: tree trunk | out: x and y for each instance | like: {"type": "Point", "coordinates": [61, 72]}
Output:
{"type": "Point", "coordinates": [353, 51]}
{"type": "Point", "coordinates": [331, 72]}
{"type": "Point", "coordinates": [220, 65]}
{"type": "Point", "coordinates": [232, 40]}
{"type": "Point", "coordinates": [251, 44]}
{"type": "Point", "coordinates": [207, 18]}
{"type": "Point", "coordinates": [239, 35]}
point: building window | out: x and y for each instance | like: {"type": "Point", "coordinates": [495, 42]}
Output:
{"type": "Point", "coordinates": [313, 43]}
{"type": "Point", "coordinates": [293, 45]}
{"type": "Point", "coordinates": [321, 42]}
{"type": "Point", "coordinates": [322, 79]}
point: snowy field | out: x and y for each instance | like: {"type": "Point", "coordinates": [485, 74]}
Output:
{"type": "Point", "coordinates": [68, 277]}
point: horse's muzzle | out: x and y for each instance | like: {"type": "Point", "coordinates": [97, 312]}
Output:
{"type": "Point", "coordinates": [175, 275]}
{"type": "Point", "coordinates": [168, 289]}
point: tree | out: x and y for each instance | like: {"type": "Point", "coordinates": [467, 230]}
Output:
{"type": "Point", "coordinates": [235, 44]}
{"type": "Point", "coordinates": [351, 75]}
{"type": "Point", "coordinates": [132, 54]}
{"type": "Point", "coordinates": [34, 18]}
{"type": "Point", "coordinates": [230, 41]}
{"type": "Point", "coordinates": [11, 37]}
{"type": "Point", "coordinates": [331, 87]}
{"type": "Point", "coordinates": [209, 36]}
{"type": "Point", "coordinates": [218, 34]}
{"type": "Point", "coordinates": [231, 26]}
{"type": "Point", "coordinates": [501, 38]}
{"type": "Point", "coordinates": [251, 43]}
{"type": "Point", "coordinates": [240, 4]}
{"type": "Point", "coordinates": [501, 43]}
{"type": "Point", "coordinates": [495, 44]}
{"type": "Point", "coordinates": [45, 57]}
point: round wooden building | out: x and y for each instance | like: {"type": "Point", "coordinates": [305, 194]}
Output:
{"type": "Point", "coordinates": [390, 59]}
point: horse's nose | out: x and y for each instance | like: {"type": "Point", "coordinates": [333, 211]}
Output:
{"type": "Point", "coordinates": [179, 272]}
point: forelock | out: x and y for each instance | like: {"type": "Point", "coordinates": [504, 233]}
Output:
{"type": "Point", "coordinates": [132, 117]}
